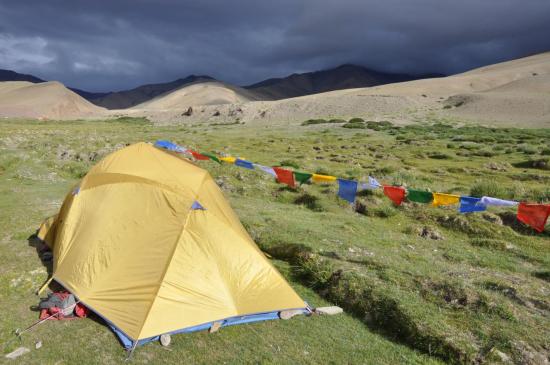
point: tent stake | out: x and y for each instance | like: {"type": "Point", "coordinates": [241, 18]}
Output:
{"type": "Point", "coordinates": [131, 352]}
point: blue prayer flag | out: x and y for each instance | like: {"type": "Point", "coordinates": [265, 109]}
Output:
{"type": "Point", "coordinates": [470, 204]}
{"type": "Point", "coordinates": [347, 189]}
{"type": "Point", "coordinates": [244, 163]}
{"type": "Point", "coordinates": [169, 146]}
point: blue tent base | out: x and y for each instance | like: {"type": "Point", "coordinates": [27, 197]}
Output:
{"type": "Point", "coordinates": [128, 343]}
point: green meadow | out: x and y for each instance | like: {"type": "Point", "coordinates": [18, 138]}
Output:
{"type": "Point", "coordinates": [418, 284]}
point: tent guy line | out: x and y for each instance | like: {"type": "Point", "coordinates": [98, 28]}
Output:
{"type": "Point", "coordinates": [533, 214]}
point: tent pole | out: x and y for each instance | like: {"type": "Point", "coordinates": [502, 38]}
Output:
{"type": "Point", "coordinates": [39, 291]}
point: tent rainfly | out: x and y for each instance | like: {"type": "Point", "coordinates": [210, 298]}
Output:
{"type": "Point", "coordinates": [148, 242]}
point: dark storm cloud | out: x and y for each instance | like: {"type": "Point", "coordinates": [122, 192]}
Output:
{"type": "Point", "coordinates": [103, 45]}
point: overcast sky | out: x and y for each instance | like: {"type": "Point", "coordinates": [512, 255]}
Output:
{"type": "Point", "coordinates": [118, 44]}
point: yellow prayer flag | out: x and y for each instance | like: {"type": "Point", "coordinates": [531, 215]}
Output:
{"type": "Point", "coordinates": [323, 178]}
{"type": "Point", "coordinates": [445, 199]}
{"type": "Point", "coordinates": [228, 159]}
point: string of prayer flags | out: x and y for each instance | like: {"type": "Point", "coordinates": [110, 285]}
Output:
{"type": "Point", "coordinates": [419, 196]}
{"type": "Point", "coordinates": [445, 199]}
{"type": "Point", "coordinates": [244, 163]}
{"type": "Point", "coordinates": [211, 156]}
{"type": "Point", "coordinates": [469, 204]}
{"type": "Point", "coordinates": [266, 169]}
{"type": "Point", "coordinates": [198, 156]}
{"type": "Point", "coordinates": [285, 176]}
{"type": "Point", "coordinates": [395, 193]}
{"type": "Point", "coordinates": [323, 178]}
{"type": "Point", "coordinates": [228, 159]}
{"type": "Point", "coordinates": [347, 189]}
{"type": "Point", "coordinates": [302, 177]}
{"type": "Point", "coordinates": [534, 215]}
{"type": "Point", "coordinates": [487, 200]}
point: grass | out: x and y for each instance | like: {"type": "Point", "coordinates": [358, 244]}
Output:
{"type": "Point", "coordinates": [408, 298]}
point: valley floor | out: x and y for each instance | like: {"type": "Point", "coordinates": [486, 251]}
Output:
{"type": "Point", "coordinates": [419, 284]}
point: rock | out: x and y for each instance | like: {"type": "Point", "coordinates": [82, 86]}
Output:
{"type": "Point", "coordinates": [493, 218]}
{"type": "Point", "coordinates": [65, 155]}
{"type": "Point", "coordinates": [288, 314]}
{"type": "Point", "coordinates": [329, 310]}
{"type": "Point", "coordinates": [431, 233]}
{"type": "Point", "coordinates": [216, 113]}
{"type": "Point", "coordinates": [360, 207]}
{"type": "Point", "coordinates": [529, 355]}
{"type": "Point", "coordinates": [17, 352]}
{"type": "Point", "coordinates": [165, 340]}
{"type": "Point", "coordinates": [499, 356]}
{"type": "Point", "coordinates": [38, 345]}
{"type": "Point", "coordinates": [495, 166]}
{"type": "Point", "coordinates": [188, 112]}
{"type": "Point", "coordinates": [215, 327]}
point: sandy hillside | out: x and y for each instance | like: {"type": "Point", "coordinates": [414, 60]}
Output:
{"type": "Point", "coordinates": [49, 100]}
{"type": "Point", "coordinates": [512, 93]}
{"type": "Point", "coordinates": [204, 93]}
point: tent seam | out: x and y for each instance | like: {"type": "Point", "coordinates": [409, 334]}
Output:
{"type": "Point", "coordinates": [166, 269]}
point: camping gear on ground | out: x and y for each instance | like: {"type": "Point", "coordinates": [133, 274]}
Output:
{"type": "Point", "coordinates": [148, 242]}
{"type": "Point", "coordinates": [62, 305]}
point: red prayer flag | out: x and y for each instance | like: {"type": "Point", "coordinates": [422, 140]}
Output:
{"type": "Point", "coordinates": [395, 193]}
{"type": "Point", "coordinates": [534, 215]}
{"type": "Point", "coordinates": [284, 176]}
{"type": "Point", "coordinates": [198, 156]}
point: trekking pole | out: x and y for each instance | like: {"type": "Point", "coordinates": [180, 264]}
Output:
{"type": "Point", "coordinates": [18, 332]}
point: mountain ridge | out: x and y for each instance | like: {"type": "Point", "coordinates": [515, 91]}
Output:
{"type": "Point", "coordinates": [345, 76]}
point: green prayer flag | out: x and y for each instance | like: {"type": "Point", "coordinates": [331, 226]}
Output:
{"type": "Point", "coordinates": [419, 196]}
{"type": "Point", "coordinates": [211, 156]}
{"type": "Point", "coordinates": [302, 177]}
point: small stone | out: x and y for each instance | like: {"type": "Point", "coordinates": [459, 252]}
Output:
{"type": "Point", "coordinates": [493, 218]}
{"type": "Point", "coordinates": [431, 233]}
{"type": "Point", "coordinates": [188, 112]}
{"type": "Point", "coordinates": [165, 340]}
{"type": "Point", "coordinates": [38, 345]}
{"type": "Point", "coordinates": [17, 352]}
{"type": "Point", "coordinates": [501, 356]}
{"type": "Point", "coordinates": [329, 310]}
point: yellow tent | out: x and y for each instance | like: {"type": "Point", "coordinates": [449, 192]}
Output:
{"type": "Point", "coordinates": [149, 243]}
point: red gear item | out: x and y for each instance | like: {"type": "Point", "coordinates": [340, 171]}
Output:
{"type": "Point", "coordinates": [80, 311]}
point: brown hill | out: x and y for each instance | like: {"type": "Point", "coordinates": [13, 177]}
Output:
{"type": "Point", "coordinates": [49, 100]}
{"type": "Point", "coordinates": [204, 93]}
{"type": "Point", "coordinates": [129, 98]}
